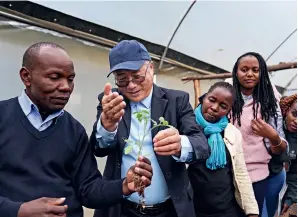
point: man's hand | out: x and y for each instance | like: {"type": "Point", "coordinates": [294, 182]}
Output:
{"type": "Point", "coordinates": [167, 142]}
{"type": "Point", "coordinates": [113, 108]}
{"type": "Point", "coordinates": [285, 209]}
{"type": "Point", "coordinates": [43, 207]}
{"type": "Point", "coordinates": [143, 169]}
{"type": "Point", "coordinates": [261, 128]}
{"type": "Point", "coordinates": [252, 216]}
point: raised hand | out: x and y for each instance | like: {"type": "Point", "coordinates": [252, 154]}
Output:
{"type": "Point", "coordinates": [113, 108]}
{"type": "Point", "coordinates": [261, 128]}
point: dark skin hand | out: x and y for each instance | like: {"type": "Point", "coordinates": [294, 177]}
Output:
{"type": "Point", "coordinates": [261, 128]}
{"type": "Point", "coordinates": [43, 207]}
{"type": "Point", "coordinates": [143, 168]}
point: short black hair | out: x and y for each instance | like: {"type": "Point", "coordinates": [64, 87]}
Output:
{"type": "Point", "coordinates": [263, 94]}
{"type": "Point", "coordinates": [224, 85]}
{"type": "Point", "coordinates": [31, 54]}
{"type": "Point", "coordinates": [221, 84]}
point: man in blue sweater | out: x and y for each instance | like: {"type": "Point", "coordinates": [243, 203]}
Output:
{"type": "Point", "coordinates": [47, 168]}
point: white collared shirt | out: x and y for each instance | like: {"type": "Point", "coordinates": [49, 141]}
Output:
{"type": "Point", "coordinates": [32, 113]}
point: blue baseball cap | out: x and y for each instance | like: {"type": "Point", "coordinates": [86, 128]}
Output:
{"type": "Point", "coordinates": [128, 55]}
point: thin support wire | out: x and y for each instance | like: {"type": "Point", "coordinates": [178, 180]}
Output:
{"type": "Point", "coordinates": [165, 51]}
{"type": "Point", "coordinates": [290, 82]}
{"type": "Point", "coordinates": [280, 45]}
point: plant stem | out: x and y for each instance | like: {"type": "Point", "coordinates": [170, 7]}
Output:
{"type": "Point", "coordinates": [144, 136]}
{"type": "Point", "coordinates": [146, 133]}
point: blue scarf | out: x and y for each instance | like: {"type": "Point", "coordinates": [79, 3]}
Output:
{"type": "Point", "coordinates": [217, 158]}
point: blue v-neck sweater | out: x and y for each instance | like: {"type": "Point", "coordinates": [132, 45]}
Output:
{"type": "Point", "coordinates": [56, 162]}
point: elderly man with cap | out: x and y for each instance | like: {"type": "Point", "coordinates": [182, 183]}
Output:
{"type": "Point", "coordinates": [167, 148]}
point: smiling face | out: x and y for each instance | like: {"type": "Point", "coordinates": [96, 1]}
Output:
{"type": "Point", "coordinates": [248, 74]}
{"type": "Point", "coordinates": [139, 83]}
{"type": "Point", "coordinates": [217, 104]}
{"type": "Point", "coordinates": [49, 83]}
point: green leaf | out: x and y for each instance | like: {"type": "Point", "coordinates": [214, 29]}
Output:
{"type": "Point", "coordinates": [161, 119]}
{"type": "Point", "coordinates": [142, 115]}
{"type": "Point", "coordinates": [128, 149]}
{"type": "Point", "coordinates": [165, 123]}
{"type": "Point", "coordinates": [145, 111]}
{"type": "Point", "coordinates": [139, 117]}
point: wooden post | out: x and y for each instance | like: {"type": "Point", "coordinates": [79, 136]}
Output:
{"type": "Point", "coordinates": [196, 84]}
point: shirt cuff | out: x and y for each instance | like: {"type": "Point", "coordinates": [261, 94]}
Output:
{"type": "Point", "coordinates": [186, 150]}
{"type": "Point", "coordinates": [126, 196]}
{"type": "Point", "coordinates": [103, 134]}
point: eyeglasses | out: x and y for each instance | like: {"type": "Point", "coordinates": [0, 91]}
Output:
{"type": "Point", "coordinates": [136, 79]}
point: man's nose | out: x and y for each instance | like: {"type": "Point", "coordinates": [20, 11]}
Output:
{"type": "Point", "coordinates": [65, 85]}
{"type": "Point", "coordinates": [131, 85]}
